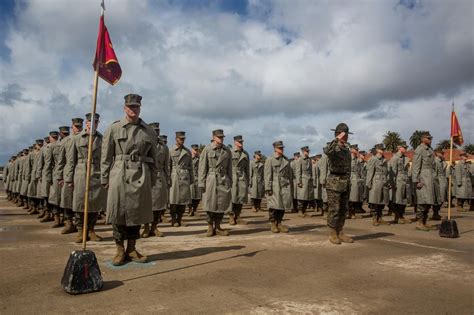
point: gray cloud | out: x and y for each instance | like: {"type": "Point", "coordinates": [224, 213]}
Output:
{"type": "Point", "coordinates": [289, 70]}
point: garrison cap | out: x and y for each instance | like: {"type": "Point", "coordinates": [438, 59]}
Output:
{"type": "Point", "coordinates": [180, 134]}
{"type": "Point", "coordinates": [426, 134]}
{"type": "Point", "coordinates": [54, 133]}
{"type": "Point", "coordinates": [319, 155]}
{"type": "Point", "coordinates": [77, 122]}
{"type": "Point", "coordinates": [194, 146]}
{"type": "Point", "coordinates": [218, 133]}
{"type": "Point", "coordinates": [379, 146]}
{"type": "Point", "coordinates": [26, 150]}
{"type": "Point", "coordinates": [30, 148]}
{"type": "Point", "coordinates": [354, 146]}
{"type": "Point", "coordinates": [258, 152]}
{"type": "Point", "coordinates": [39, 141]}
{"type": "Point", "coordinates": [164, 137]}
{"type": "Point", "coordinates": [239, 138]}
{"type": "Point", "coordinates": [342, 127]}
{"type": "Point", "coordinates": [64, 129]}
{"type": "Point", "coordinates": [133, 100]}
{"type": "Point", "coordinates": [305, 148]}
{"type": "Point", "coordinates": [278, 144]}
{"type": "Point", "coordinates": [89, 116]}
{"type": "Point", "coordinates": [403, 144]}
{"type": "Point", "coordinates": [362, 152]}
{"type": "Point", "coordinates": [296, 154]}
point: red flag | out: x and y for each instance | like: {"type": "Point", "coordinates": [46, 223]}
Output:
{"type": "Point", "coordinates": [105, 58]}
{"type": "Point", "coordinates": [456, 132]}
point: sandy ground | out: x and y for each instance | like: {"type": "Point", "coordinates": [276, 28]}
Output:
{"type": "Point", "coordinates": [388, 270]}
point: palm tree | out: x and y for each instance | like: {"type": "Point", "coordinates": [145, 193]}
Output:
{"type": "Point", "coordinates": [415, 139]}
{"type": "Point", "coordinates": [392, 140]}
{"type": "Point", "coordinates": [469, 148]}
{"type": "Point", "coordinates": [445, 145]}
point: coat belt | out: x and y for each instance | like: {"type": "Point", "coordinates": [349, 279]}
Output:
{"type": "Point", "coordinates": [133, 158]}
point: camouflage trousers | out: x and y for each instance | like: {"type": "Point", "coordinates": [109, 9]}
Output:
{"type": "Point", "coordinates": [338, 202]}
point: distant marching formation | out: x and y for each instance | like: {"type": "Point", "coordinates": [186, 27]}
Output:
{"type": "Point", "coordinates": [136, 177]}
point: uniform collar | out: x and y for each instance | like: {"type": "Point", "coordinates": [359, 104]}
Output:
{"type": "Point", "coordinates": [124, 122]}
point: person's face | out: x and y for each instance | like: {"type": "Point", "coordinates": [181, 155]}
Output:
{"type": "Point", "coordinates": [180, 141]}
{"type": "Point", "coordinates": [258, 157]}
{"type": "Point", "coordinates": [354, 152]}
{"type": "Point", "coordinates": [218, 140]}
{"type": "Point", "coordinates": [426, 140]}
{"type": "Point", "coordinates": [279, 150]}
{"type": "Point", "coordinates": [52, 139]}
{"type": "Point", "coordinates": [89, 123]}
{"type": "Point", "coordinates": [379, 151]}
{"type": "Point", "coordinates": [402, 150]}
{"type": "Point", "coordinates": [63, 134]}
{"type": "Point", "coordinates": [306, 153]}
{"type": "Point", "coordinates": [132, 111]}
{"type": "Point", "coordinates": [195, 152]}
{"type": "Point", "coordinates": [239, 144]}
{"type": "Point", "coordinates": [296, 157]}
{"type": "Point", "coordinates": [76, 129]}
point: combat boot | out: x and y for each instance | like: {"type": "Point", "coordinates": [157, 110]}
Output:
{"type": "Point", "coordinates": [41, 214]}
{"type": "Point", "coordinates": [57, 221]}
{"type": "Point", "coordinates": [402, 220]}
{"type": "Point", "coordinates": [240, 221]}
{"type": "Point", "coordinates": [154, 230]}
{"type": "Point", "coordinates": [381, 221]}
{"type": "Point", "coordinates": [274, 227]}
{"type": "Point", "coordinates": [146, 231]}
{"type": "Point", "coordinates": [333, 238]}
{"type": "Point", "coordinates": [232, 220]}
{"type": "Point", "coordinates": [26, 206]}
{"type": "Point", "coordinates": [133, 254]}
{"type": "Point", "coordinates": [219, 230]}
{"type": "Point", "coordinates": [46, 218]}
{"type": "Point", "coordinates": [93, 236]}
{"type": "Point", "coordinates": [254, 209]}
{"type": "Point", "coordinates": [436, 216]}
{"type": "Point", "coordinates": [79, 235]}
{"type": "Point", "coordinates": [68, 227]}
{"type": "Point", "coordinates": [343, 237]}
{"type": "Point", "coordinates": [210, 230]}
{"type": "Point", "coordinates": [421, 226]}
{"type": "Point", "coordinates": [375, 221]}
{"type": "Point", "coordinates": [302, 214]}
{"type": "Point", "coordinates": [119, 258]}
{"type": "Point", "coordinates": [282, 228]}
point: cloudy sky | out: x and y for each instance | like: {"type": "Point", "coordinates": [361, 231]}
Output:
{"type": "Point", "coordinates": [269, 70]}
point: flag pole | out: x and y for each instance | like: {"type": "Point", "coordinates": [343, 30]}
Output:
{"type": "Point", "coordinates": [89, 151]}
{"type": "Point", "coordinates": [450, 165]}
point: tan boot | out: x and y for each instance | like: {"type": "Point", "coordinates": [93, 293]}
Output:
{"type": "Point", "coordinates": [344, 238]}
{"type": "Point", "coordinates": [68, 227]}
{"type": "Point", "coordinates": [119, 258]}
{"type": "Point", "coordinates": [375, 222]}
{"type": "Point", "coordinates": [302, 214]}
{"type": "Point", "coordinates": [282, 228]}
{"type": "Point", "coordinates": [333, 238]}
{"type": "Point", "coordinates": [210, 230]}
{"type": "Point", "coordinates": [241, 221]}
{"type": "Point", "coordinates": [274, 227]}
{"type": "Point", "coordinates": [57, 221]}
{"type": "Point", "coordinates": [219, 230]}
{"type": "Point", "coordinates": [232, 220]}
{"type": "Point", "coordinates": [133, 254]}
{"type": "Point", "coordinates": [402, 220]}
{"type": "Point", "coordinates": [41, 214]}
{"type": "Point", "coordinates": [154, 231]}
{"type": "Point", "coordinates": [93, 236]}
{"type": "Point", "coordinates": [146, 231]}
{"type": "Point", "coordinates": [79, 235]}
{"type": "Point", "coordinates": [420, 226]}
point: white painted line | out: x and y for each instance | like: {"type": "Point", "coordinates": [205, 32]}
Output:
{"type": "Point", "coordinates": [424, 246]}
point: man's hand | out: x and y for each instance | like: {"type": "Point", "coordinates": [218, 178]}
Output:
{"type": "Point", "coordinates": [269, 192]}
{"type": "Point", "coordinates": [203, 190]}
{"type": "Point", "coordinates": [419, 185]}
{"type": "Point", "coordinates": [341, 138]}
{"type": "Point", "coordinates": [61, 182]}
{"type": "Point", "coordinates": [70, 185]}
{"type": "Point", "coordinates": [106, 186]}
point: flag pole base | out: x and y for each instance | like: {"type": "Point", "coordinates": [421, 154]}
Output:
{"type": "Point", "coordinates": [82, 273]}
{"type": "Point", "coordinates": [449, 229]}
